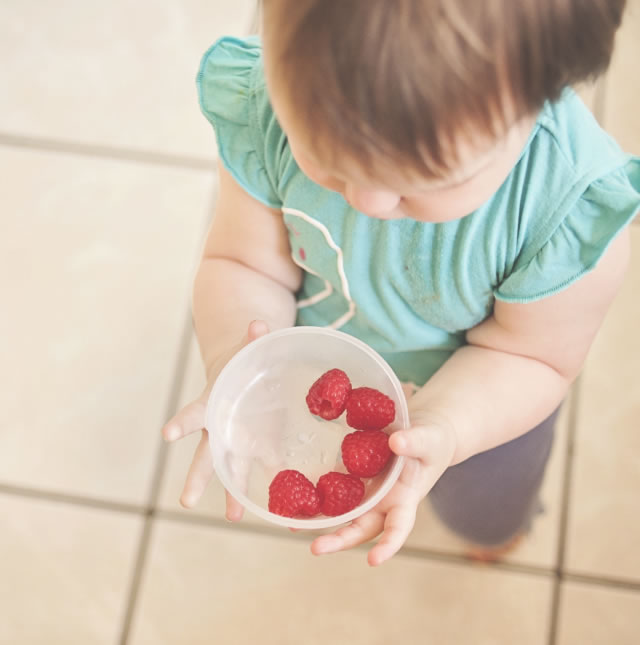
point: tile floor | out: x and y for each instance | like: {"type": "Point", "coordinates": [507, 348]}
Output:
{"type": "Point", "coordinates": [107, 186]}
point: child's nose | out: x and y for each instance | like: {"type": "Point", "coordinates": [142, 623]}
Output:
{"type": "Point", "coordinates": [376, 203]}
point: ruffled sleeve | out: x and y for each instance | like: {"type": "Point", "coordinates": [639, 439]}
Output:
{"type": "Point", "coordinates": [229, 78]}
{"type": "Point", "coordinates": [580, 239]}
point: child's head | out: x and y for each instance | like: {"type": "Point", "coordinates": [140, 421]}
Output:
{"type": "Point", "coordinates": [398, 99]}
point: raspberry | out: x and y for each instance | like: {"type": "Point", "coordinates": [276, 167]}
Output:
{"type": "Point", "coordinates": [292, 494]}
{"type": "Point", "coordinates": [369, 409]}
{"type": "Point", "coordinates": [365, 453]}
{"type": "Point", "coordinates": [328, 395]}
{"type": "Point", "coordinates": [339, 493]}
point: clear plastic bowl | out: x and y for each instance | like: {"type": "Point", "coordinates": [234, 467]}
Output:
{"type": "Point", "coordinates": [259, 422]}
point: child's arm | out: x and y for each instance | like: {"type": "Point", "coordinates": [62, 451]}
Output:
{"type": "Point", "coordinates": [246, 274]}
{"type": "Point", "coordinates": [520, 362]}
{"type": "Point", "coordinates": [516, 369]}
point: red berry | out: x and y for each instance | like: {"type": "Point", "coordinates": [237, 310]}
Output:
{"type": "Point", "coordinates": [365, 453]}
{"type": "Point", "coordinates": [369, 409]}
{"type": "Point", "coordinates": [339, 493]}
{"type": "Point", "coordinates": [291, 494]}
{"type": "Point", "coordinates": [328, 395]}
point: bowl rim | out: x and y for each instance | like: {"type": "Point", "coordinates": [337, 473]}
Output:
{"type": "Point", "coordinates": [401, 422]}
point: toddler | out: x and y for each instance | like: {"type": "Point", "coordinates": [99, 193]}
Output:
{"type": "Point", "coordinates": [420, 174]}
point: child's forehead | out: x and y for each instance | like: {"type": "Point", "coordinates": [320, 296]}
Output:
{"type": "Point", "coordinates": [467, 155]}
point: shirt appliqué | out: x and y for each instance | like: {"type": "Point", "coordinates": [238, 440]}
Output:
{"type": "Point", "coordinates": [328, 288]}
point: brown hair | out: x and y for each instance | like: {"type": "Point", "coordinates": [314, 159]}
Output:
{"type": "Point", "coordinates": [403, 78]}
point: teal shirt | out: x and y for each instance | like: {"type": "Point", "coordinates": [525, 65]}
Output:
{"type": "Point", "coordinates": [412, 289]}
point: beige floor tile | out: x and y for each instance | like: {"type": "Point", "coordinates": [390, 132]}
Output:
{"type": "Point", "coordinates": [595, 615]}
{"type": "Point", "coordinates": [66, 571]}
{"type": "Point", "coordinates": [539, 547]}
{"type": "Point", "coordinates": [621, 112]}
{"type": "Point", "coordinates": [116, 73]}
{"type": "Point", "coordinates": [604, 523]}
{"type": "Point", "coordinates": [204, 584]}
{"type": "Point", "coordinates": [97, 259]}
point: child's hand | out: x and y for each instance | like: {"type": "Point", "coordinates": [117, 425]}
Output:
{"type": "Point", "coordinates": [191, 419]}
{"type": "Point", "coordinates": [429, 447]}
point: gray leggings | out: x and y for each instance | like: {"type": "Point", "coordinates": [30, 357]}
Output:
{"type": "Point", "coordinates": [493, 496]}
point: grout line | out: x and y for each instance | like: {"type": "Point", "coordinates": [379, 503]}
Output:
{"type": "Point", "coordinates": [461, 560]}
{"type": "Point", "coordinates": [602, 581]}
{"type": "Point", "coordinates": [179, 372]}
{"type": "Point", "coordinates": [106, 152]}
{"type": "Point", "coordinates": [145, 537]}
{"type": "Point", "coordinates": [136, 578]}
{"type": "Point", "coordinates": [180, 368]}
{"type": "Point", "coordinates": [564, 511]}
{"type": "Point", "coordinates": [66, 498]}
{"type": "Point", "coordinates": [412, 553]}
{"type": "Point", "coordinates": [172, 405]}
{"type": "Point", "coordinates": [199, 519]}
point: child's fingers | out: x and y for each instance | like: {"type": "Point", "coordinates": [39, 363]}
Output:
{"type": "Point", "coordinates": [410, 443]}
{"type": "Point", "coordinates": [199, 473]}
{"type": "Point", "coordinates": [426, 443]}
{"type": "Point", "coordinates": [198, 478]}
{"type": "Point", "coordinates": [239, 468]}
{"type": "Point", "coordinates": [189, 419]}
{"type": "Point", "coordinates": [397, 526]}
{"type": "Point", "coordinates": [359, 531]}
{"type": "Point", "coordinates": [235, 510]}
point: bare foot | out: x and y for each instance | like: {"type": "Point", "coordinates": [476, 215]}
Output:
{"type": "Point", "coordinates": [479, 553]}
